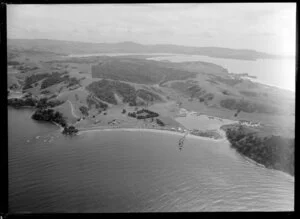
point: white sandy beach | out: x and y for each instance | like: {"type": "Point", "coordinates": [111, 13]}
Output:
{"type": "Point", "coordinates": [152, 130]}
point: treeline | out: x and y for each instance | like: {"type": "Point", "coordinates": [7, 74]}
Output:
{"type": "Point", "coordinates": [146, 114]}
{"type": "Point", "coordinates": [56, 78]}
{"type": "Point", "coordinates": [32, 102]}
{"type": "Point", "coordinates": [13, 63]}
{"type": "Point", "coordinates": [106, 89]}
{"type": "Point", "coordinates": [248, 106]}
{"type": "Point", "coordinates": [274, 152]}
{"type": "Point", "coordinates": [147, 95]}
{"type": "Point", "coordinates": [96, 103]}
{"type": "Point", "coordinates": [43, 111]}
{"type": "Point", "coordinates": [52, 79]}
{"type": "Point", "coordinates": [208, 133]}
{"type": "Point", "coordinates": [49, 115]}
{"type": "Point", "coordinates": [103, 90]}
{"type": "Point", "coordinates": [49, 80]}
{"type": "Point", "coordinates": [24, 68]}
{"type": "Point", "coordinates": [195, 90]}
{"type": "Point", "coordinates": [159, 122]}
{"type": "Point", "coordinates": [84, 110]}
{"type": "Point", "coordinates": [69, 130]}
{"type": "Point", "coordinates": [30, 80]}
{"type": "Point", "coordinates": [228, 81]}
{"type": "Point", "coordinates": [18, 103]}
{"type": "Point", "coordinates": [206, 97]}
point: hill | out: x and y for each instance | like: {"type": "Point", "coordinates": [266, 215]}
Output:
{"type": "Point", "coordinates": [70, 47]}
{"type": "Point", "coordinates": [138, 71]}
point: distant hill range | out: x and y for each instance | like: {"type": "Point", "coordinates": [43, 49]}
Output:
{"type": "Point", "coordinates": [71, 47]}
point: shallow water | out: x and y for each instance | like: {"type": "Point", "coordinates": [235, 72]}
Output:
{"type": "Point", "coordinates": [122, 171]}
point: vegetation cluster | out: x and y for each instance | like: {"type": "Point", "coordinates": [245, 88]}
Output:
{"type": "Point", "coordinates": [84, 110]}
{"type": "Point", "coordinates": [143, 114]}
{"type": "Point", "coordinates": [91, 101]}
{"type": "Point", "coordinates": [147, 95]}
{"type": "Point", "coordinates": [272, 151]}
{"type": "Point", "coordinates": [56, 78]}
{"type": "Point", "coordinates": [208, 133]}
{"type": "Point", "coordinates": [106, 90]}
{"type": "Point", "coordinates": [24, 69]}
{"type": "Point", "coordinates": [32, 102]}
{"type": "Point", "coordinates": [49, 80]}
{"type": "Point", "coordinates": [159, 122]}
{"type": "Point", "coordinates": [248, 106]}
{"type": "Point", "coordinates": [49, 115]}
{"type": "Point", "coordinates": [30, 80]}
{"type": "Point", "coordinates": [70, 130]}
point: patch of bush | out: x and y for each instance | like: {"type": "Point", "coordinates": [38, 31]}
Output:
{"type": "Point", "coordinates": [249, 93]}
{"type": "Point", "coordinates": [70, 130]}
{"type": "Point", "coordinates": [52, 79]}
{"type": "Point", "coordinates": [96, 103]}
{"type": "Point", "coordinates": [147, 95]}
{"type": "Point", "coordinates": [273, 151]}
{"type": "Point", "coordinates": [45, 92]}
{"type": "Point", "coordinates": [133, 114]}
{"type": "Point", "coordinates": [13, 63]}
{"type": "Point", "coordinates": [49, 115]}
{"type": "Point", "coordinates": [33, 79]}
{"type": "Point", "coordinates": [159, 122]}
{"type": "Point", "coordinates": [84, 110]}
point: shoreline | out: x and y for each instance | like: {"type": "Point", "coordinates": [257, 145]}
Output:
{"type": "Point", "coordinates": [188, 135]}
{"type": "Point", "coordinates": [248, 159]}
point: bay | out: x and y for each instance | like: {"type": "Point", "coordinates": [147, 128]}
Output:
{"type": "Point", "coordinates": [125, 171]}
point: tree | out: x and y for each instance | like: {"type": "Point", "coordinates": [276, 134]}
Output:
{"type": "Point", "coordinates": [70, 130]}
{"type": "Point", "coordinates": [159, 122]}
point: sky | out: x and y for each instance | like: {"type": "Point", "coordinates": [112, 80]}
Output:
{"type": "Point", "coordinates": [265, 27]}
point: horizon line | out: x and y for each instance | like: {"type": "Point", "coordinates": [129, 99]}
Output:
{"type": "Point", "coordinates": [160, 44]}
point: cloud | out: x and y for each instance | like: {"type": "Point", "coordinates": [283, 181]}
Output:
{"type": "Point", "coordinates": [228, 25]}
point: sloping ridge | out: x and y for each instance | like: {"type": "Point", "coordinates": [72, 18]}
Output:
{"type": "Point", "coordinates": [139, 71]}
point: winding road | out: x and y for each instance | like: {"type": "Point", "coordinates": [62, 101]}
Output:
{"type": "Point", "coordinates": [72, 109]}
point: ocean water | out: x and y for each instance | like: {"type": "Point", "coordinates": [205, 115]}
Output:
{"type": "Point", "coordinates": [122, 171]}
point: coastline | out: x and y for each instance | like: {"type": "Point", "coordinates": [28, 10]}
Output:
{"type": "Point", "coordinates": [149, 130]}
{"type": "Point", "coordinates": [248, 159]}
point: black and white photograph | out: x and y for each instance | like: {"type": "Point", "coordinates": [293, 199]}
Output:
{"type": "Point", "coordinates": [157, 107]}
